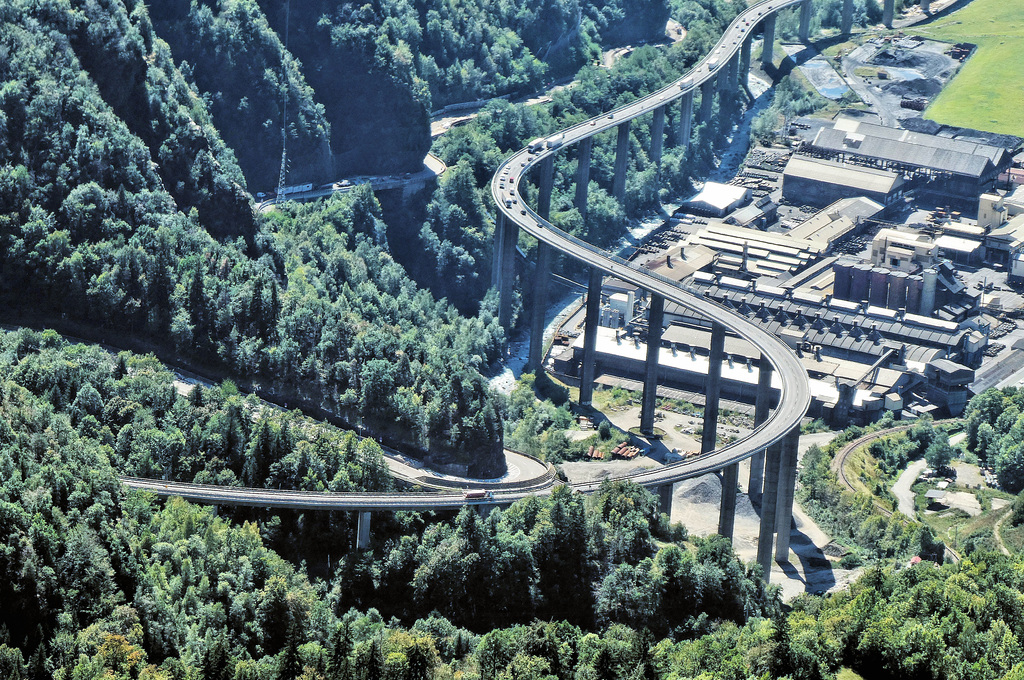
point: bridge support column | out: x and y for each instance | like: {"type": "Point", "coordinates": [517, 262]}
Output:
{"type": "Point", "coordinates": [745, 61]}
{"type": "Point", "coordinates": [769, 504]}
{"type": "Point", "coordinates": [621, 161]}
{"type": "Point", "coordinates": [657, 136]}
{"type": "Point", "coordinates": [926, 6]}
{"type": "Point", "coordinates": [768, 46]}
{"type": "Point", "coordinates": [583, 175]}
{"type": "Point", "coordinates": [762, 407]}
{"type": "Point", "coordinates": [707, 100]}
{"type": "Point", "coordinates": [363, 531]}
{"type": "Point", "coordinates": [540, 303]}
{"type": "Point", "coordinates": [665, 499]}
{"type": "Point", "coordinates": [485, 509]}
{"type": "Point", "coordinates": [499, 233]}
{"type": "Point", "coordinates": [685, 121]}
{"type": "Point", "coordinates": [787, 489]}
{"type": "Point", "coordinates": [847, 23]}
{"type": "Point", "coordinates": [805, 20]}
{"type": "Point", "coordinates": [543, 272]}
{"type": "Point", "coordinates": [506, 280]}
{"type": "Point", "coordinates": [888, 10]}
{"type": "Point", "coordinates": [712, 387]}
{"type": "Point", "coordinates": [545, 186]}
{"type": "Point", "coordinates": [727, 512]}
{"type": "Point", "coordinates": [729, 74]}
{"type": "Point", "coordinates": [655, 319]}
{"type": "Point", "coordinates": [590, 336]}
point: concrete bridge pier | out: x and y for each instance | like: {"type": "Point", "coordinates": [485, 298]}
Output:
{"type": "Point", "coordinates": [769, 505]}
{"type": "Point", "coordinates": [665, 499]}
{"type": "Point", "coordinates": [499, 230]}
{"type": "Point", "coordinates": [655, 319]}
{"type": "Point", "coordinates": [888, 11]}
{"type": "Point", "coordinates": [926, 6]}
{"type": "Point", "coordinates": [657, 136]}
{"type": "Point", "coordinates": [621, 162]}
{"type": "Point", "coordinates": [590, 336]}
{"type": "Point", "coordinates": [846, 27]}
{"type": "Point", "coordinates": [685, 121]}
{"type": "Point", "coordinates": [543, 272]}
{"type": "Point", "coordinates": [744, 70]}
{"type": "Point", "coordinates": [805, 20]}
{"type": "Point", "coordinates": [363, 531]}
{"type": "Point", "coordinates": [707, 100]}
{"type": "Point", "coordinates": [768, 47]}
{"type": "Point", "coordinates": [545, 186]}
{"type": "Point", "coordinates": [787, 489]}
{"type": "Point", "coordinates": [762, 406]}
{"type": "Point", "coordinates": [583, 175]}
{"type": "Point", "coordinates": [727, 76]}
{"type": "Point", "coordinates": [712, 388]}
{"type": "Point", "coordinates": [506, 240]}
{"type": "Point", "coordinates": [727, 512]}
{"type": "Point", "coordinates": [541, 278]}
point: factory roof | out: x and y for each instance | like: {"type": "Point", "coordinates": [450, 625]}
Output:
{"type": "Point", "coordinates": [720, 196]}
{"type": "Point", "coordinates": [739, 371]}
{"type": "Point", "coordinates": [960, 245]}
{"type": "Point", "coordinates": [996, 154]}
{"type": "Point", "coordinates": [679, 263]}
{"type": "Point", "coordinates": [1010, 234]}
{"type": "Point", "coordinates": [843, 174]}
{"type": "Point", "coordinates": [746, 215]}
{"type": "Point", "coordinates": [800, 312]}
{"type": "Point", "coordinates": [955, 156]}
{"type": "Point", "coordinates": [836, 220]}
{"type": "Point", "coordinates": [766, 252]}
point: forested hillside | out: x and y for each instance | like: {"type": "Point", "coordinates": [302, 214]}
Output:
{"type": "Point", "coordinates": [249, 81]}
{"type": "Point", "coordinates": [97, 582]}
{"type": "Point", "coordinates": [457, 226]}
{"type": "Point", "coordinates": [119, 205]}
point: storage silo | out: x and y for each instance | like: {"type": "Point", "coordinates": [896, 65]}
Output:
{"type": "Point", "coordinates": [841, 286]}
{"type": "Point", "coordinates": [914, 285]}
{"type": "Point", "coordinates": [859, 283]}
{"type": "Point", "coordinates": [897, 290]}
{"type": "Point", "coordinates": [931, 278]}
{"type": "Point", "coordinates": [879, 287]}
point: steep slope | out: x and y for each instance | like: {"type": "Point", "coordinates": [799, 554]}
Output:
{"type": "Point", "coordinates": [118, 212]}
{"type": "Point", "coordinates": [235, 57]}
{"type": "Point", "coordinates": [377, 111]}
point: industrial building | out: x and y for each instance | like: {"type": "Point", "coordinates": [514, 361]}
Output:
{"type": "Point", "coordinates": [955, 166]}
{"type": "Point", "coordinates": [905, 251]}
{"type": "Point", "coordinates": [756, 252]}
{"type": "Point", "coordinates": [819, 182]}
{"type": "Point", "coordinates": [717, 200]}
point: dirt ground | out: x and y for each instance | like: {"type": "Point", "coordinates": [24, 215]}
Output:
{"type": "Point", "coordinates": [696, 503]}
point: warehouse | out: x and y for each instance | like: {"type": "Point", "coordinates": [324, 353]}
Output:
{"type": "Point", "coordinates": [818, 182]}
{"type": "Point", "coordinates": [956, 166]}
{"type": "Point", "coordinates": [785, 312]}
{"type": "Point", "coordinates": [717, 200]}
{"type": "Point", "coordinates": [757, 252]}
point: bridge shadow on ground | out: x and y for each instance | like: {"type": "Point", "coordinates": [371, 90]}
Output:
{"type": "Point", "coordinates": [815, 571]}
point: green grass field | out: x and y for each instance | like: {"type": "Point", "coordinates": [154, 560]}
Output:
{"type": "Point", "coordinates": [988, 93]}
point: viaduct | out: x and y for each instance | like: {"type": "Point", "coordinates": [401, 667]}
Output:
{"type": "Point", "coordinates": [772, 446]}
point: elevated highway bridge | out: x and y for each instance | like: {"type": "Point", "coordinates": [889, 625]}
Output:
{"type": "Point", "coordinates": [772, 445]}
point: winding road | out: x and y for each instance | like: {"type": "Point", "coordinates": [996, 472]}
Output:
{"type": "Point", "coordinates": [795, 391]}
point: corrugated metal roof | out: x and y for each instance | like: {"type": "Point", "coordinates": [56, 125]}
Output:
{"type": "Point", "coordinates": [794, 314]}
{"type": "Point", "coordinates": [993, 153]}
{"type": "Point", "coordinates": [842, 174]}
{"type": "Point", "coordinates": [908, 151]}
